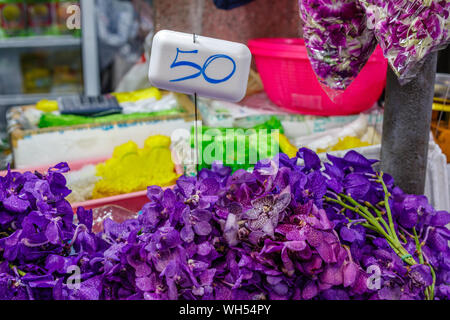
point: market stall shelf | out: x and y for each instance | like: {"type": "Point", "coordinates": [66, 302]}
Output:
{"type": "Point", "coordinates": [39, 42]}
{"type": "Point", "coordinates": [38, 147]}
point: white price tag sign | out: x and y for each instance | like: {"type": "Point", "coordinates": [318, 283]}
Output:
{"type": "Point", "coordinates": [210, 67]}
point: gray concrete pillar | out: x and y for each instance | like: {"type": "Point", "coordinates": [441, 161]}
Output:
{"type": "Point", "coordinates": [406, 127]}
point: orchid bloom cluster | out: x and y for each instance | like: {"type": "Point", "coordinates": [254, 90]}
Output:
{"type": "Point", "coordinates": [337, 39]}
{"type": "Point", "coordinates": [408, 30]}
{"type": "Point", "coordinates": [38, 239]}
{"type": "Point", "coordinates": [341, 35]}
{"type": "Point", "coordinates": [294, 228]}
{"type": "Point", "coordinates": [408, 237]}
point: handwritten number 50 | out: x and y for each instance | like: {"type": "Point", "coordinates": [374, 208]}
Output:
{"type": "Point", "coordinates": [201, 70]}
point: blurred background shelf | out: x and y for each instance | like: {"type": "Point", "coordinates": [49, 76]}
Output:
{"type": "Point", "coordinates": [39, 42]}
{"type": "Point", "coordinates": [26, 99]}
{"type": "Point", "coordinates": [34, 59]}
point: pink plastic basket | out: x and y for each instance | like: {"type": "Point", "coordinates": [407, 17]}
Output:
{"type": "Point", "coordinates": [291, 83]}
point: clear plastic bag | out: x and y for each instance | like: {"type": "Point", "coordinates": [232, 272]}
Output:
{"type": "Point", "coordinates": [408, 30]}
{"type": "Point", "coordinates": [115, 213]}
{"type": "Point", "coordinates": [337, 39]}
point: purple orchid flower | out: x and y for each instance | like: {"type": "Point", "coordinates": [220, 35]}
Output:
{"type": "Point", "coordinates": [266, 213]}
{"type": "Point", "coordinates": [196, 222]}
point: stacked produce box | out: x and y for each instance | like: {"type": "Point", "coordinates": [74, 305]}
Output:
{"type": "Point", "coordinates": [36, 17]}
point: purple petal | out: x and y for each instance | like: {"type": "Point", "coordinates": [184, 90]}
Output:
{"type": "Point", "coordinates": [187, 234]}
{"type": "Point", "coordinates": [282, 202]}
{"type": "Point", "coordinates": [310, 291]}
{"type": "Point", "coordinates": [350, 272]}
{"type": "Point", "coordinates": [144, 284]}
{"type": "Point", "coordinates": [295, 245]}
{"type": "Point", "coordinates": [202, 215]}
{"type": "Point", "coordinates": [252, 213]}
{"type": "Point", "coordinates": [310, 158]}
{"type": "Point", "coordinates": [143, 270]}
{"type": "Point", "coordinates": [440, 219]}
{"type": "Point", "coordinates": [202, 228]}
{"type": "Point", "coordinates": [15, 204]}
{"type": "Point", "coordinates": [52, 232]}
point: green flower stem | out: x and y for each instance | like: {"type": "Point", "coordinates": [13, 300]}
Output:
{"type": "Point", "coordinates": [402, 252]}
{"type": "Point", "coordinates": [374, 208]}
{"type": "Point", "coordinates": [386, 205]}
{"type": "Point", "coordinates": [393, 241]}
{"type": "Point", "coordinates": [20, 272]}
{"type": "Point", "coordinates": [389, 234]}
{"type": "Point", "coordinates": [342, 212]}
{"type": "Point", "coordinates": [418, 246]}
{"type": "Point", "coordinates": [369, 226]}
{"type": "Point", "coordinates": [375, 226]}
{"type": "Point", "coordinates": [389, 240]}
{"type": "Point", "coordinates": [431, 288]}
{"type": "Point", "coordinates": [403, 237]}
{"type": "Point", "coordinates": [367, 215]}
{"type": "Point", "coordinates": [429, 291]}
{"type": "Point", "coordinates": [379, 214]}
{"type": "Point", "coordinates": [343, 204]}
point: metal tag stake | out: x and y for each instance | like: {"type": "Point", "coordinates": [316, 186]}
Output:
{"type": "Point", "coordinates": [180, 63]}
{"type": "Point", "coordinates": [197, 155]}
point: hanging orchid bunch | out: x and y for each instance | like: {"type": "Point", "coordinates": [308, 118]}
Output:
{"type": "Point", "coordinates": [408, 30]}
{"type": "Point", "coordinates": [340, 35]}
{"type": "Point", "coordinates": [337, 39]}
